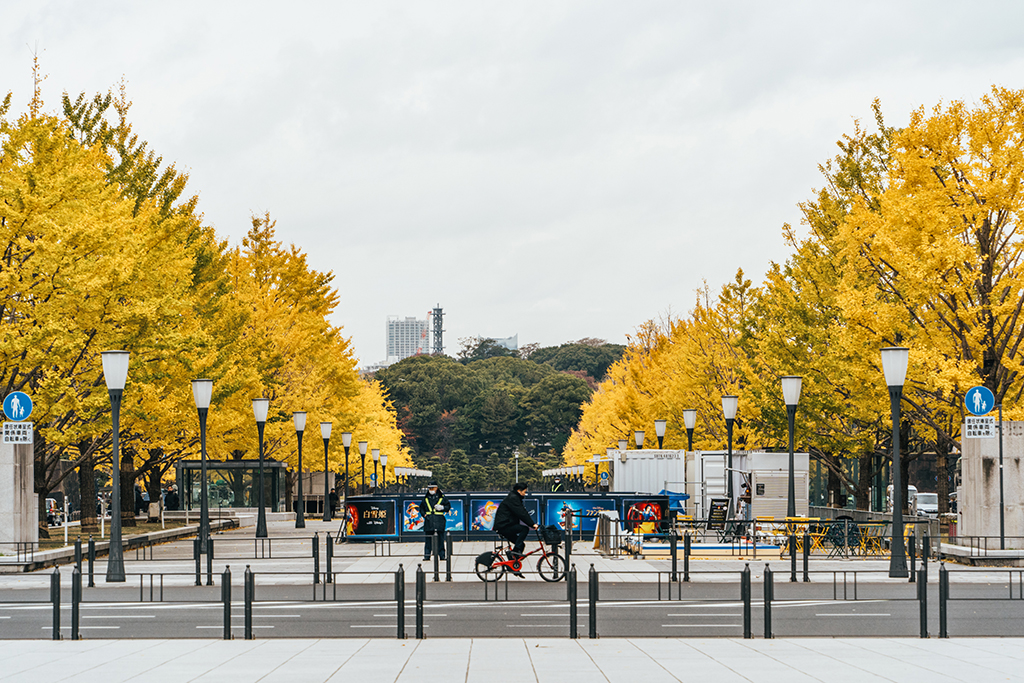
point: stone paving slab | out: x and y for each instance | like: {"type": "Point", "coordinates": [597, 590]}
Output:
{"type": "Point", "coordinates": [614, 660]}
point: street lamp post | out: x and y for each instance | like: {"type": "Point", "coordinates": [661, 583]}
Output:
{"type": "Point", "coordinates": [791, 394]}
{"type": "Point", "coordinates": [260, 406]}
{"type": "Point", "coordinates": [384, 472]}
{"type": "Point", "coordinates": [659, 429]}
{"type": "Point", "coordinates": [202, 392]}
{"type": "Point", "coordinates": [299, 418]}
{"type": "Point", "coordinates": [115, 373]}
{"type": "Point", "coordinates": [375, 454]}
{"type": "Point", "coordinates": [517, 465]}
{"type": "Point", "coordinates": [638, 438]}
{"type": "Point", "coordinates": [894, 365]}
{"type": "Point", "coordinates": [729, 405]}
{"type": "Point", "coordinates": [690, 420]}
{"type": "Point", "coordinates": [363, 466]}
{"type": "Point", "coordinates": [325, 432]}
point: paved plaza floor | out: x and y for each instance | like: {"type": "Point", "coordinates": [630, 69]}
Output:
{"type": "Point", "coordinates": [723, 660]}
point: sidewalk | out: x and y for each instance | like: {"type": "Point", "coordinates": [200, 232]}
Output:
{"type": "Point", "coordinates": [724, 660]}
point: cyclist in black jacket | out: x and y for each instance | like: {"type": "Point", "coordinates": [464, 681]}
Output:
{"type": "Point", "coordinates": [512, 520]}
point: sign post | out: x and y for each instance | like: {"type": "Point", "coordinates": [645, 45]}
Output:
{"type": "Point", "coordinates": [979, 401]}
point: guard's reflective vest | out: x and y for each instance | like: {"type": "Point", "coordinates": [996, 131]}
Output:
{"type": "Point", "coordinates": [556, 487]}
{"type": "Point", "coordinates": [433, 512]}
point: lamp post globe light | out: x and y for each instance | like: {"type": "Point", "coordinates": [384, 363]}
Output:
{"type": "Point", "coordinates": [362, 466]}
{"type": "Point", "coordinates": [202, 392]}
{"type": "Point", "coordinates": [346, 441]}
{"type": "Point", "coordinates": [299, 418]}
{"type": "Point", "coordinates": [375, 454]}
{"type": "Point", "coordinates": [690, 420]}
{"type": "Point", "coordinates": [623, 444]}
{"type": "Point", "coordinates": [894, 365]}
{"type": "Point", "coordinates": [325, 432]}
{"type": "Point", "coordinates": [791, 395]}
{"type": "Point", "coordinates": [260, 406]}
{"type": "Point", "coordinates": [638, 438]}
{"type": "Point", "coordinates": [384, 472]}
{"type": "Point", "coordinates": [729, 405]}
{"type": "Point", "coordinates": [659, 430]}
{"type": "Point", "coordinates": [115, 374]}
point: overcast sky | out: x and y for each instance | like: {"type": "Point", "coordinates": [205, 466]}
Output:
{"type": "Point", "coordinates": [553, 169]}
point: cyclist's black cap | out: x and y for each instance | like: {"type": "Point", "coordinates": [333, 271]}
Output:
{"type": "Point", "coordinates": [519, 486]}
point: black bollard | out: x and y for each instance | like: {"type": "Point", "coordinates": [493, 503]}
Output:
{"type": "Point", "coordinates": [574, 632]}
{"type": "Point", "coordinates": [421, 590]}
{"type": "Point", "coordinates": [329, 577]}
{"type": "Point", "coordinates": [92, 561]}
{"type": "Point", "coordinates": [943, 598]}
{"type": "Point", "coordinates": [922, 599]}
{"type": "Point", "coordinates": [593, 596]}
{"type": "Point", "coordinates": [807, 556]}
{"type": "Point", "coordinates": [78, 554]}
{"type": "Point", "coordinates": [435, 550]}
{"type": "Point", "coordinates": [745, 597]}
{"type": "Point", "coordinates": [209, 560]}
{"type": "Point", "coordinates": [400, 600]}
{"type": "Point", "coordinates": [792, 558]}
{"type": "Point", "coordinates": [225, 597]}
{"type": "Point", "coordinates": [199, 561]}
{"type": "Point", "coordinates": [769, 595]}
{"type": "Point", "coordinates": [316, 558]}
{"type": "Point", "coordinates": [76, 601]}
{"type": "Point", "coordinates": [55, 599]}
{"type": "Point", "coordinates": [250, 595]}
{"type": "Point", "coordinates": [448, 557]}
{"type": "Point", "coordinates": [686, 557]}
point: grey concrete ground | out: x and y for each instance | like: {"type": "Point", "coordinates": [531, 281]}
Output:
{"type": "Point", "coordinates": [722, 660]}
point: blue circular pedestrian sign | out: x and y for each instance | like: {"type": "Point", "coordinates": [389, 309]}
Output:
{"type": "Point", "coordinates": [979, 400]}
{"type": "Point", "coordinates": [17, 406]}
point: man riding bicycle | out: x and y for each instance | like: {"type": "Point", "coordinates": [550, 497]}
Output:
{"type": "Point", "coordinates": [512, 520]}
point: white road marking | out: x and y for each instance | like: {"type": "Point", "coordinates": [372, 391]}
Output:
{"type": "Point", "coordinates": [700, 625]}
{"type": "Point", "coordinates": [703, 614]}
{"type": "Point", "coordinates": [854, 614]}
{"type": "Point", "coordinates": [119, 616]}
{"type": "Point", "coordinates": [536, 625]}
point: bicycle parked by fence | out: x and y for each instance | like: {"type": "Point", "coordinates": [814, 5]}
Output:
{"type": "Point", "coordinates": [551, 566]}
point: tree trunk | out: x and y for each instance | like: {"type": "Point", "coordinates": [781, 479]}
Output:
{"type": "Point", "coordinates": [153, 479]}
{"type": "Point", "coordinates": [942, 472]}
{"type": "Point", "coordinates": [87, 487]}
{"type": "Point", "coordinates": [836, 497]}
{"type": "Point", "coordinates": [864, 482]}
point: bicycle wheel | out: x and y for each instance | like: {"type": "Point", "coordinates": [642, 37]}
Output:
{"type": "Point", "coordinates": [486, 568]}
{"type": "Point", "coordinates": [551, 566]}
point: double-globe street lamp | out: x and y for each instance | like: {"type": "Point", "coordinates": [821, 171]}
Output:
{"type": "Point", "coordinates": [115, 374]}
{"type": "Point", "coordinates": [260, 406]}
{"type": "Point", "coordinates": [791, 395]}
{"type": "Point", "coordinates": [202, 393]}
{"type": "Point", "coordinates": [729, 405]}
{"type": "Point", "coordinates": [299, 418]}
{"type": "Point", "coordinates": [894, 365]}
{"type": "Point", "coordinates": [325, 433]}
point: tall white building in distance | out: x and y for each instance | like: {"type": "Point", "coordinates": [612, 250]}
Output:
{"type": "Point", "coordinates": [407, 337]}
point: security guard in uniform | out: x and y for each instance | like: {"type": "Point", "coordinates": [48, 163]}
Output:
{"type": "Point", "coordinates": [557, 486]}
{"type": "Point", "coordinates": [433, 508]}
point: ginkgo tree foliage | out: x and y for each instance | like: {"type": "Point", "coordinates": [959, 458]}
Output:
{"type": "Point", "coordinates": [105, 248]}
{"type": "Point", "coordinates": [914, 240]}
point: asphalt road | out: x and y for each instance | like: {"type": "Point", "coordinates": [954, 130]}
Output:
{"type": "Point", "coordinates": [532, 609]}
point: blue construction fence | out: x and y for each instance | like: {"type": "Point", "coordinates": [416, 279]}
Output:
{"type": "Point", "coordinates": [472, 514]}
